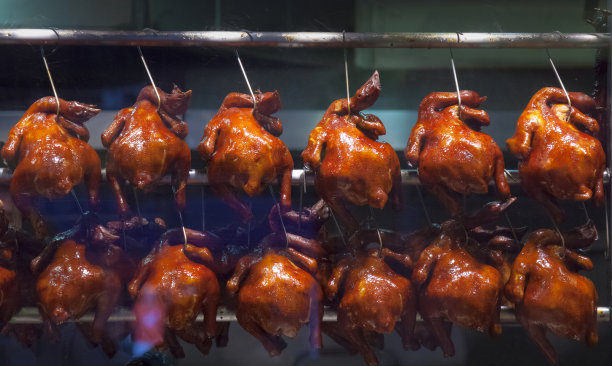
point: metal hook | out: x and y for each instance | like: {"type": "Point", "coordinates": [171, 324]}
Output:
{"type": "Point", "coordinates": [558, 231]}
{"type": "Point", "coordinates": [422, 201]}
{"type": "Point", "coordinates": [569, 102]}
{"type": "Point", "coordinates": [280, 215]}
{"type": "Point", "coordinates": [586, 212]}
{"type": "Point", "coordinates": [42, 53]}
{"type": "Point", "coordinates": [380, 243]}
{"type": "Point", "coordinates": [338, 227]}
{"type": "Point", "coordinates": [180, 215]}
{"type": "Point", "coordinates": [348, 95]}
{"type": "Point", "coordinates": [456, 81]}
{"type": "Point", "coordinates": [77, 201]}
{"type": "Point", "coordinates": [150, 77]}
{"type": "Point", "coordinates": [246, 78]}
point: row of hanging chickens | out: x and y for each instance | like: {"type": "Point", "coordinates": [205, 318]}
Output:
{"type": "Point", "coordinates": [559, 156]}
{"type": "Point", "coordinates": [243, 152]}
{"type": "Point", "coordinates": [460, 272]}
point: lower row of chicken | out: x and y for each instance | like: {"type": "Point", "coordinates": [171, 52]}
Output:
{"type": "Point", "coordinates": [460, 272]}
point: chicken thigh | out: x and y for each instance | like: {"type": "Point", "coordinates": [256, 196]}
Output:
{"type": "Point", "coordinates": [549, 293]}
{"type": "Point", "coordinates": [348, 162]}
{"type": "Point", "coordinates": [49, 153]}
{"type": "Point", "coordinates": [559, 157]}
{"type": "Point", "coordinates": [242, 150]}
{"type": "Point", "coordinates": [451, 153]}
{"type": "Point", "coordinates": [145, 142]}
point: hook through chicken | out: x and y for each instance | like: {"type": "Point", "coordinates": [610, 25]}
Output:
{"type": "Point", "coordinates": [569, 102]}
{"type": "Point", "coordinates": [150, 77]}
{"type": "Point", "coordinates": [246, 78]}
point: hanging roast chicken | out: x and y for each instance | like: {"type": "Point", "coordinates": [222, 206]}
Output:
{"type": "Point", "coordinates": [372, 298]}
{"type": "Point", "coordinates": [243, 152]}
{"type": "Point", "coordinates": [175, 289]}
{"type": "Point", "coordinates": [348, 161]}
{"type": "Point", "coordinates": [549, 293]}
{"type": "Point", "coordinates": [559, 157]}
{"type": "Point", "coordinates": [145, 143]}
{"type": "Point", "coordinates": [451, 153]}
{"type": "Point", "coordinates": [49, 153]}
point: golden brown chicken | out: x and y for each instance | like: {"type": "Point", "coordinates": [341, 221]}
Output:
{"type": "Point", "coordinates": [373, 298]}
{"type": "Point", "coordinates": [50, 155]}
{"type": "Point", "coordinates": [453, 286]}
{"type": "Point", "coordinates": [277, 292]}
{"type": "Point", "coordinates": [81, 277]}
{"type": "Point", "coordinates": [451, 153]}
{"type": "Point", "coordinates": [348, 162]}
{"type": "Point", "coordinates": [146, 142]}
{"type": "Point", "coordinates": [171, 287]}
{"type": "Point", "coordinates": [243, 152]}
{"type": "Point", "coordinates": [549, 293]}
{"type": "Point", "coordinates": [559, 157]}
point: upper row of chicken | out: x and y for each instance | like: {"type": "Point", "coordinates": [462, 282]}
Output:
{"type": "Point", "coordinates": [559, 156]}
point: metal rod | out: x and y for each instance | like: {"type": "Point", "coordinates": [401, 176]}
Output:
{"type": "Point", "coordinates": [144, 62]}
{"type": "Point", "coordinates": [409, 177]}
{"type": "Point", "coordinates": [42, 53]}
{"type": "Point", "coordinates": [151, 37]}
{"type": "Point", "coordinates": [30, 315]}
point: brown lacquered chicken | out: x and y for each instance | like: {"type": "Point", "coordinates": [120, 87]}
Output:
{"type": "Point", "coordinates": [50, 155]}
{"type": "Point", "coordinates": [177, 289]}
{"type": "Point", "coordinates": [549, 293]}
{"type": "Point", "coordinates": [348, 161]}
{"type": "Point", "coordinates": [373, 298]}
{"type": "Point", "coordinates": [83, 276]}
{"type": "Point", "coordinates": [452, 155]}
{"type": "Point", "coordinates": [243, 152]}
{"type": "Point", "coordinates": [277, 291]}
{"type": "Point", "coordinates": [454, 286]}
{"type": "Point", "coordinates": [10, 299]}
{"type": "Point", "coordinates": [559, 157]}
{"type": "Point", "coordinates": [146, 142]}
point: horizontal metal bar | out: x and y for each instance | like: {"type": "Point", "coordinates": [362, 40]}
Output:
{"type": "Point", "coordinates": [409, 177]}
{"type": "Point", "coordinates": [30, 315]}
{"type": "Point", "coordinates": [149, 37]}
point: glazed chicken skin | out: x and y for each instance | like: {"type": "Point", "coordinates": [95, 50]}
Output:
{"type": "Point", "coordinates": [454, 286]}
{"type": "Point", "coordinates": [451, 153]}
{"type": "Point", "coordinates": [550, 294]}
{"type": "Point", "coordinates": [145, 142]}
{"type": "Point", "coordinates": [180, 288]}
{"type": "Point", "coordinates": [277, 292]}
{"type": "Point", "coordinates": [50, 155]}
{"type": "Point", "coordinates": [81, 277]}
{"type": "Point", "coordinates": [559, 157]}
{"type": "Point", "coordinates": [348, 161]}
{"type": "Point", "coordinates": [242, 150]}
{"type": "Point", "coordinates": [373, 298]}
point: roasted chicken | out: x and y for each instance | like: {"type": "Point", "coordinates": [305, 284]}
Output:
{"type": "Point", "coordinates": [559, 157]}
{"type": "Point", "coordinates": [146, 142]}
{"type": "Point", "coordinates": [452, 155]}
{"type": "Point", "coordinates": [373, 298]}
{"type": "Point", "coordinates": [549, 293]}
{"type": "Point", "coordinates": [82, 276]}
{"type": "Point", "coordinates": [174, 289]}
{"type": "Point", "coordinates": [243, 152]}
{"type": "Point", "coordinates": [10, 299]}
{"type": "Point", "coordinates": [49, 153]}
{"type": "Point", "coordinates": [349, 164]}
{"type": "Point", "coordinates": [277, 291]}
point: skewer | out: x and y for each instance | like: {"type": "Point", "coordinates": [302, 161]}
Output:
{"type": "Point", "coordinates": [557, 230]}
{"type": "Point", "coordinates": [42, 53]}
{"type": "Point", "coordinates": [77, 201]}
{"type": "Point", "coordinates": [144, 62]}
{"type": "Point", "coordinates": [422, 201]}
{"type": "Point", "coordinates": [338, 227]}
{"type": "Point", "coordinates": [569, 102]}
{"type": "Point", "coordinates": [380, 243]}
{"type": "Point", "coordinates": [348, 95]}
{"type": "Point", "coordinates": [280, 215]}
{"type": "Point", "coordinates": [246, 78]}
{"type": "Point", "coordinates": [452, 59]}
{"type": "Point", "coordinates": [180, 215]}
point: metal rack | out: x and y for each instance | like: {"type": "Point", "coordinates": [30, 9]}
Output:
{"type": "Point", "coordinates": [49, 36]}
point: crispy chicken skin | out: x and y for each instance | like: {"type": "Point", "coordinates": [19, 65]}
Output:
{"type": "Point", "coordinates": [145, 143]}
{"type": "Point", "coordinates": [50, 155]}
{"type": "Point", "coordinates": [349, 164]}
{"type": "Point", "coordinates": [549, 293]}
{"type": "Point", "coordinates": [242, 150]}
{"type": "Point", "coordinates": [451, 153]}
{"type": "Point", "coordinates": [559, 157]}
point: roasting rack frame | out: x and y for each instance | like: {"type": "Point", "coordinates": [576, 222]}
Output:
{"type": "Point", "coordinates": [154, 38]}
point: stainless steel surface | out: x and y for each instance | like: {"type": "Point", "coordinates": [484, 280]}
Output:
{"type": "Point", "coordinates": [50, 36]}
{"type": "Point", "coordinates": [30, 315]}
